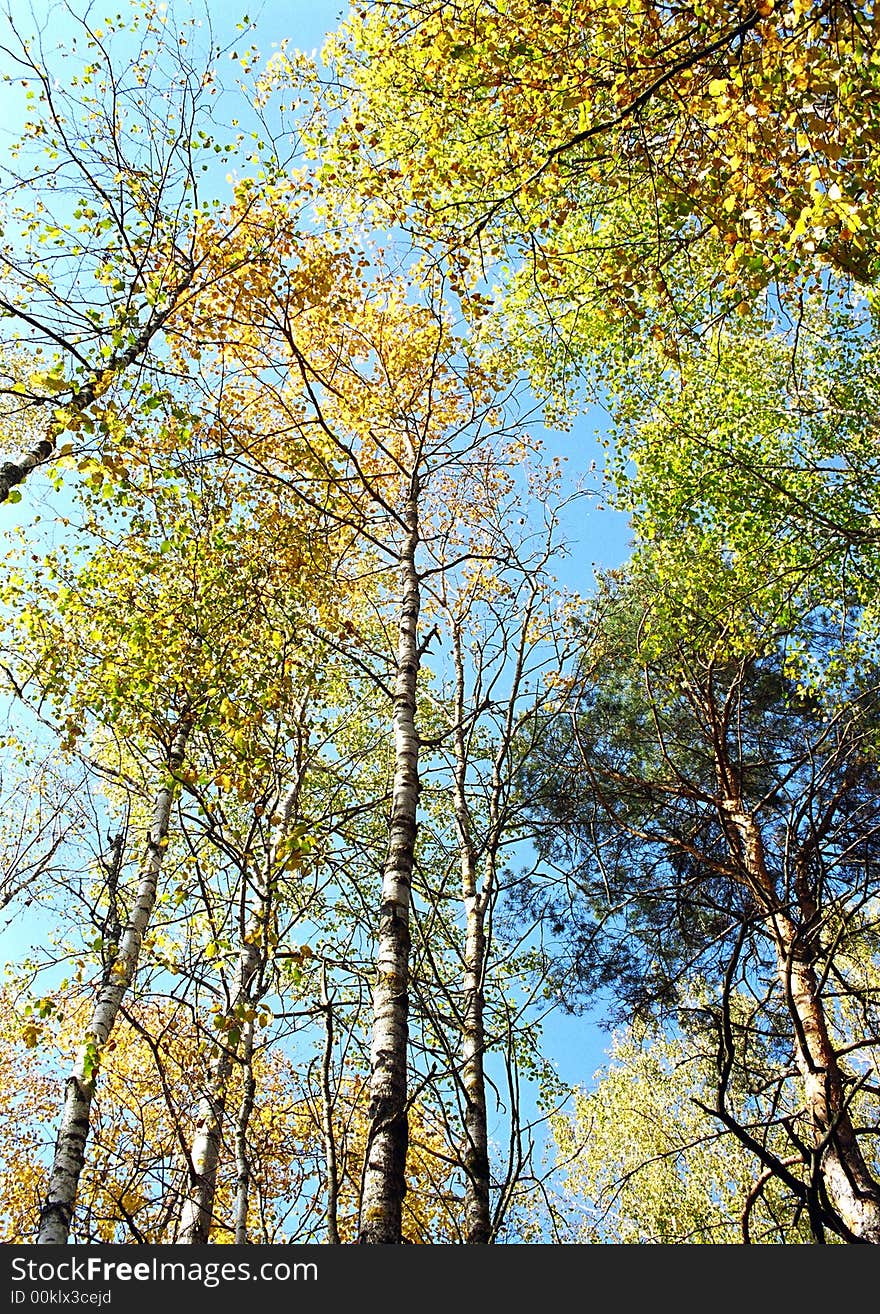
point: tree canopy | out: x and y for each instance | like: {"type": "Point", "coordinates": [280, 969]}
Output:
{"type": "Point", "coordinates": [341, 777]}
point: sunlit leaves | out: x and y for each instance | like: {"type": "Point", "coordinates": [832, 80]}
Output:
{"type": "Point", "coordinates": [598, 143]}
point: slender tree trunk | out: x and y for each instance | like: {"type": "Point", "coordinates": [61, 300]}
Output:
{"type": "Point", "coordinates": [242, 1158]}
{"type": "Point", "coordinates": [385, 1168]}
{"type": "Point", "coordinates": [241, 1205]}
{"type": "Point", "coordinates": [330, 1158]}
{"type": "Point", "coordinates": [56, 1213]}
{"type": "Point", "coordinates": [477, 1215]}
{"type": "Point", "coordinates": [197, 1213]}
{"type": "Point", "coordinates": [478, 1220]}
{"type": "Point", "coordinates": [851, 1188]}
{"type": "Point", "coordinates": [14, 472]}
{"type": "Point", "coordinates": [477, 899]}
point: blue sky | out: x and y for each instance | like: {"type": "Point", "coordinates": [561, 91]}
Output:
{"type": "Point", "coordinates": [599, 537]}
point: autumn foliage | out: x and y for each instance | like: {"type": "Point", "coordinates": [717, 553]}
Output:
{"type": "Point", "coordinates": [363, 724]}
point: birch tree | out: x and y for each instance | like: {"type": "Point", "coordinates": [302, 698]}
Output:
{"type": "Point", "coordinates": [111, 193]}
{"type": "Point", "coordinates": [143, 1112]}
{"type": "Point", "coordinates": [156, 640]}
{"type": "Point", "coordinates": [602, 149]}
{"type": "Point", "coordinates": [503, 623]}
{"type": "Point", "coordinates": [57, 1210]}
{"type": "Point", "coordinates": [393, 411]}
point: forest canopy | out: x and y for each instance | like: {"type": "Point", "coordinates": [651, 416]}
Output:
{"type": "Point", "coordinates": [354, 772]}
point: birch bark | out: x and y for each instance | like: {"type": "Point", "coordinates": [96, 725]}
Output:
{"type": "Point", "coordinates": [385, 1168]}
{"type": "Point", "coordinates": [197, 1212]}
{"type": "Point", "coordinates": [478, 1223]}
{"type": "Point", "coordinates": [56, 1213]}
{"type": "Point", "coordinates": [331, 1164]}
{"type": "Point", "coordinates": [478, 896]}
{"type": "Point", "coordinates": [242, 1158]}
{"type": "Point", "coordinates": [15, 472]}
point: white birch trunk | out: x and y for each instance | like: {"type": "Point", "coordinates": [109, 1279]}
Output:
{"type": "Point", "coordinates": [331, 1166]}
{"type": "Point", "coordinates": [56, 1213]}
{"type": "Point", "coordinates": [478, 1220]}
{"type": "Point", "coordinates": [477, 900]}
{"type": "Point", "coordinates": [242, 1158]}
{"type": "Point", "coordinates": [385, 1168]}
{"type": "Point", "coordinates": [197, 1212]}
{"type": "Point", "coordinates": [477, 1216]}
{"type": "Point", "coordinates": [15, 472]}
